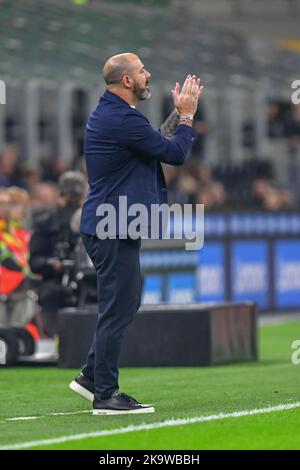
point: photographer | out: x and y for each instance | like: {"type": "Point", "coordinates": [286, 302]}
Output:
{"type": "Point", "coordinates": [53, 249]}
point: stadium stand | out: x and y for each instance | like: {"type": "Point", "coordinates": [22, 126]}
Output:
{"type": "Point", "coordinates": [64, 40]}
{"type": "Point", "coordinates": [56, 40]}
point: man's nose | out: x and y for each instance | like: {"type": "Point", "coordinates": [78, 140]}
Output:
{"type": "Point", "coordinates": [148, 74]}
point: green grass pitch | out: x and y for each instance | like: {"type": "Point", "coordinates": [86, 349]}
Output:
{"type": "Point", "coordinates": [176, 393]}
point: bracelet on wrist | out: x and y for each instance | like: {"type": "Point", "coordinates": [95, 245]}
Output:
{"type": "Point", "coordinates": [186, 116]}
{"type": "Point", "coordinates": [186, 119]}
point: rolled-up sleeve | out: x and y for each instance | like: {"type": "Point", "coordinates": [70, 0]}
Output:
{"type": "Point", "coordinates": [138, 135]}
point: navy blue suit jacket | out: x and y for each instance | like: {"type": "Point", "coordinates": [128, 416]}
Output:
{"type": "Point", "coordinates": [123, 154]}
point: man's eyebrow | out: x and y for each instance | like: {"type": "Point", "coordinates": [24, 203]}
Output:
{"type": "Point", "coordinates": [142, 68]}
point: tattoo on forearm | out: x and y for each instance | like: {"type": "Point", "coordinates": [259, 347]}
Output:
{"type": "Point", "coordinates": [168, 128]}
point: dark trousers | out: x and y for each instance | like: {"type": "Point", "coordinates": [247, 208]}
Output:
{"type": "Point", "coordinates": [117, 264]}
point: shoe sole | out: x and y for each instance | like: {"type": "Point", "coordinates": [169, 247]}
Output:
{"type": "Point", "coordinates": [103, 412]}
{"type": "Point", "coordinates": [83, 392]}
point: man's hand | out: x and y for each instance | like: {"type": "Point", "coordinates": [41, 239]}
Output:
{"type": "Point", "coordinates": [185, 102]}
{"type": "Point", "coordinates": [176, 95]}
{"type": "Point", "coordinates": [186, 99]}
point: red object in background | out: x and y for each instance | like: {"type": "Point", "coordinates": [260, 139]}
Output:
{"type": "Point", "coordinates": [9, 280]}
{"type": "Point", "coordinates": [32, 329]}
{"type": "Point", "coordinates": [14, 266]}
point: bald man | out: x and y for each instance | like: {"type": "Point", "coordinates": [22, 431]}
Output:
{"type": "Point", "coordinates": [123, 157]}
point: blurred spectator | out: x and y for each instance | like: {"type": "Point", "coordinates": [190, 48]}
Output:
{"type": "Point", "coordinates": [267, 195]}
{"type": "Point", "coordinates": [188, 185]}
{"type": "Point", "coordinates": [211, 192]}
{"type": "Point", "coordinates": [43, 196]}
{"type": "Point", "coordinates": [53, 169]}
{"type": "Point", "coordinates": [212, 196]}
{"type": "Point", "coordinates": [293, 123]}
{"type": "Point", "coordinates": [20, 202]}
{"type": "Point", "coordinates": [8, 166]}
{"type": "Point", "coordinates": [204, 174]}
{"type": "Point", "coordinates": [275, 121]}
{"type": "Point", "coordinates": [200, 127]}
{"type": "Point", "coordinates": [17, 302]}
{"type": "Point", "coordinates": [194, 183]}
{"type": "Point", "coordinates": [287, 200]}
{"type": "Point", "coordinates": [260, 188]}
{"type": "Point", "coordinates": [5, 203]}
{"type": "Point", "coordinates": [30, 175]}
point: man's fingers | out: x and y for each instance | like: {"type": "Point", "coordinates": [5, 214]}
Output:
{"type": "Point", "coordinates": [200, 91]}
{"type": "Point", "coordinates": [176, 94]}
{"type": "Point", "coordinates": [177, 88]}
{"type": "Point", "coordinates": [190, 78]}
{"type": "Point", "coordinates": [198, 87]}
{"type": "Point", "coordinates": [194, 86]}
{"type": "Point", "coordinates": [189, 85]}
{"type": "Point", "coordinates": [185, 84]}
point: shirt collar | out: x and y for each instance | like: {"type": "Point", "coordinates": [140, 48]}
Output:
{"type": "Point", "coordinates": [110, 96]}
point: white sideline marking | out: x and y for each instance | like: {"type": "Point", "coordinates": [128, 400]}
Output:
{"type": "Point", "coordinates": [25, 418]}
{"type": "Point", "coordinates": [145, 427]}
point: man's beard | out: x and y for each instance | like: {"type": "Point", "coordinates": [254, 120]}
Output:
{"type": "Point", "coordinates": [142, 94]}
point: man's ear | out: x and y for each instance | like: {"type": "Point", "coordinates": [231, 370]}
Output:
{"type": "Point", "coordinates": [127, 81]}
